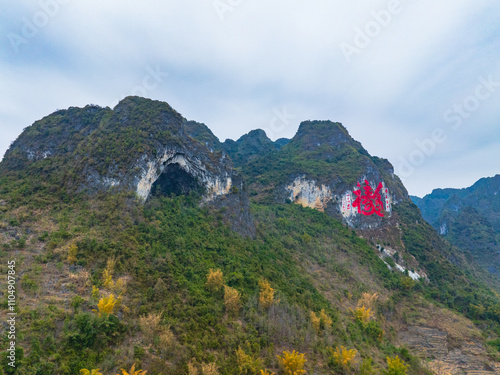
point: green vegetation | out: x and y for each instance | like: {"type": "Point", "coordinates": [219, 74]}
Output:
{"type": "Point", "coordinates": [112, 283]}
{"type": "Point", "coordinates": [451, 282]}
{"type": "Point", "coordinates": [469, 219]}
{"type": "Point", "coordinates": [166, 249]}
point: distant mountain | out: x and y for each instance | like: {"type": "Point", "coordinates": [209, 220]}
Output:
{"type": "Point", "coordinates": [469, 218]}
{"type": "Point", "coordinates": [249, 146]}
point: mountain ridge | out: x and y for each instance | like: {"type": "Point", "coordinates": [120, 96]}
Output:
{"type": "Point", "coordinates": [469, 218]}
{"type": "Point", "coordinates": [142, 204]}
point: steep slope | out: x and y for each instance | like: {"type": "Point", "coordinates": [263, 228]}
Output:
{"type": "Point", "coordinates": [55, 136]}
{"type": "Point", "coordinates": [468, 218]}
{"type": "Point", "coordinates": [321, 168]}
{"type": "Point", "coordinates": [204, 135]}
{"type": "Point", "coordinates": [140, 146]}
{"type": "Point", "coordinates": [195, 296]}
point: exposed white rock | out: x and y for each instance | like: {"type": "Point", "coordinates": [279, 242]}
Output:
{"type": "Point", "coordinates": [443, 229]}
{"type": "Point", "coordinates": [218, 187]}
{"type": "Point", "coordinates": [414, 275]}
{"type": "Point", "coordinates": [110, 181]}
{"type": "Point", "coordinates": [215, 185]}
{"type": "Point", "coordinates": [387, 252]}
{"type": "Point", "coordinates": [32, 155]}
{"type": "Point", "coordinates": [349, 212]}
{"type": "Point", "coordinates": [347, 199]}
{"type": "Point", "coordinates": [346, 205]}
{"type": "Point", "coordinates": [308, 194]}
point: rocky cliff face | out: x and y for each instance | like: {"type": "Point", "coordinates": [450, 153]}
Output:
{"type": "Point", "coordinates": [323, 168]}
{"type": "Point", "coordinates": [213, 184]}
{"type": "Point", "coordinates": [469, 356]}
{"type": "Point", "coordinates": [354, 210]}
{"type": "Point", "coordinates": [67, 167]}
{"type": "Point", "coordinates": [141, 146]}
{"type": "Point", "coordinates": [308, 194]}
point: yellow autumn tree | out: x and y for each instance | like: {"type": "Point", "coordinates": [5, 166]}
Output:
{"type": "Point", "coordinates": [266, 296]}
{"type": "Point", "coordinates": [133, 371]}
{"type": "Point", "coordinates": [231, 300]}
{"type": "Point", "coordinates": [152, 328]}
{"type": "Point", "coordinates": [320, 322]}
{"type": "Point", "coordinates": [265, 372]}
{"type": "Point", "coordinates": [316, 322]}
{"type": "Point", "coordinates": [150, 324]}
{"type": "Point", "coordinates": [106, 305]}
{"type": "Point", "coordinates": [247, 364]}
{"type": "Point", "coordinates": [396, 366]}
{"type": "Point", "coordinates": [209, 369]}
{"type": "Point", "coordinates": [362, 314]}
{"type": "Point", "coordinates": [107, 274]}
{"type": "Point", "coordinates": [292, 363]}
{"type": "Point", "coordinates": [368, 300]}
{"type": "Point", "coordinates": [343, 357]}
{"type": "Point", "coordinates": [326, 321]}
{"type": "Point", "coordinates": [72, 251]}
{"type": "Point", "coordinates": [215, 279]}
{"type": "Point", "coordinates": [192, 369]}
{"type": "Point", "coordinates": [107, 279]}
{"type": "Point", "coordinates": [120, 285]}
{"type": "Point", "coordinates": [166, 338]}
{"type": "Point", "coordinates": [84, 371]}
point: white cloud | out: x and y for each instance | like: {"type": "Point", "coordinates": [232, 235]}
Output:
{"type": "Point", "coordinates": [233, 74]}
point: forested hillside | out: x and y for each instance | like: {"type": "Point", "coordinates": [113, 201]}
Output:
{"type": "Point", "coordinates": [141, 241]}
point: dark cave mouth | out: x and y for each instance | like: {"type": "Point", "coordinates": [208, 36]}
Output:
{"type": "Point", "coordinates": [175, 181]}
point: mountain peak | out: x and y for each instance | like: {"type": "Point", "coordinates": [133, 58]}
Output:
{"type": "Point", "coordinates": [320, 125]}
{"type": "Point", "coordinates": [249, 146]}
{"type": "Point", "coordinates": [143, 197]}
{"type": "Point", "coordinates": [257, 133]}
{"type": "Point", "coordinates": [313, 134]}
{"type": "Point", "coordinates": [139, 100]}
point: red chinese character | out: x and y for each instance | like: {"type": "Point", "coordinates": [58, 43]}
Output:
{"type": "Point", "coordinates": [370, 202]}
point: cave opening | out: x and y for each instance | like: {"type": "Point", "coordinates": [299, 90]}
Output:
{"type": "Point", "coordinates": [176, 181]}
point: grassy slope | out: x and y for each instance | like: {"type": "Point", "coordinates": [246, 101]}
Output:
{"type": "Point", "coordinates": [165, 250]}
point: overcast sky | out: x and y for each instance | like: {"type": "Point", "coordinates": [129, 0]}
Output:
{"type": "Point", "coordinates": [416, 82]}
